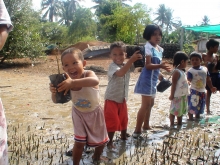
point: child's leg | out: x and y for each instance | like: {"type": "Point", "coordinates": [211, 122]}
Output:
{"type": "Point", "coordinates": [179, 120]}
{"type": "Point", "coordinates": [97, 153]}
{"type": "Point", "coordinates": [146, 125]}
{"type": "Point", "coordinates": [198, 116]}
{"type": "Point", "coordinates": [110, 136]}
{"type": "Point", "coordinates": [190, 116]}
{"type": "Point", "coordinates": [208, 96]}
{"type": "Point", "coordinates": [172, 118]}
{"type": "Point", "coordinates": [124, 134]}
{"type": "Point", "coordinates": [77, 152]}
{"type": "Point", "coordinates": [143, 114]}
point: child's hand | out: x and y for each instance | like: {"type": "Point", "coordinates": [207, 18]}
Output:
{"type": "Point", "coordinates": [136, 56]}
{"type": "Point", "coordinates": [53, 90]}
{"type": "Point", "coordinates": [171, 97]}
{"type": "Point", "coordinates": [66, 85]}
{"type": "Point", "coordinates": [214, 89]}
{"type": "Point", "coordinates": [165, 66]}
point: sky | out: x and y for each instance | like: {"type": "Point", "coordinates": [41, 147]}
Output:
{"type": "Point", "coordinates": [190, 12]}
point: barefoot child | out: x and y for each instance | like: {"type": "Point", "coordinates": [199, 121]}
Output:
{"type": "Point", "coordinates": [116, 114]}
{"type": "Point", "coordinates": [210, 59]}
{"type": "Point", "coordinates": [179, 89]}
{"type": "Point", "coordinates": [87, 114]}
{"type": "Point", "coordinates": [198, 76]}
{"type": "Point", "coordinates": [146, 84]}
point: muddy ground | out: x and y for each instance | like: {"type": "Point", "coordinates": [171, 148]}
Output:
{"type": "Point", "coordinates": [40, 132]}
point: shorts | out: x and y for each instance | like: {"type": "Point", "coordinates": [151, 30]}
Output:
{"type": "Point", "coordinates": [116, 115]}
{"type": "Point", "coordinates": [89, 127]}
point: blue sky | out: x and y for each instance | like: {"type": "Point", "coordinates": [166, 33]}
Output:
{"type": "Point", "coordinates": [190, 12]}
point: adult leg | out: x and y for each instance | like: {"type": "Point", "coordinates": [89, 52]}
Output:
{"type": "Point", "coordinates": [172, 118]}
{"type": "Point", "coordinates": [208, 96]}
{"type": "Point", "coordinates": [145, 108]}
{"type": "Point", "coordinates": [110, 136]}
{"type": "Point", "coordinates": [179, 120]}
{"type": "Point", "coordinates": [77, 152]}
{"type": "Point", "coordinates": [146, 125]}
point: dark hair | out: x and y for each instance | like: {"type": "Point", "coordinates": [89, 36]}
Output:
{"type": "Point", "coordinates": [178, 57]}
{"type": "Point", "coordinates": [118, 44]}
{"type": "Point", "coordinates": [195, 54]}
{"type": "Point", "coordinates": [149, 31]}
{"type": "Point", "coordinates": [73, 51]}
{"type": "Point", "coordinates": [211, 43]}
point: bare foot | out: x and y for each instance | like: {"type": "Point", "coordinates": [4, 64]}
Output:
{"type": "Point", "coordinates": [126, 137]}
{"type": "Point", "coordinates": [209, 113]}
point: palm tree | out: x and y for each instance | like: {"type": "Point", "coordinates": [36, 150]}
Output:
{"type": "Point", "coordinates": [205, 20]}
{"type": "Point", "coordinates": [170, 21]}
{"type": "Point", "coordinates": [52, 8]}
{"type": "Point", "coordinates": [161, 15]}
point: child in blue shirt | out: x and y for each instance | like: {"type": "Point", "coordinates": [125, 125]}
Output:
{"type": "Point", "coordinates": [146, 84]}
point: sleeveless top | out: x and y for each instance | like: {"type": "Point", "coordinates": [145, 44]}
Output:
{"type": "Point", "coordinates": [182, 87]}
{"type": "Point", "coordinates": [86, 99]}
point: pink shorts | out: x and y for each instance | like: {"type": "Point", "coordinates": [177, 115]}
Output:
{"type": "Point", "coordinates": [116, 116]}
{"type": "Point", "coordinates": [89, 127]}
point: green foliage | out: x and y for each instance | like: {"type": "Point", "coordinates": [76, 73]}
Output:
{"type": "Point", "coordinates": [188, 48]}
{"type": "Point", "coordinates": [25, 39]}
{"type": "Point", "coordinates": [125, 23]}
{"type": "Point", "coordinates": [83, 25]}
{"type": "Point", "coordinates": [52, 32]}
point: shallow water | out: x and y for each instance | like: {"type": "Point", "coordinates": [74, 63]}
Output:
{"type": "Point", "coordinates": [40, 132]}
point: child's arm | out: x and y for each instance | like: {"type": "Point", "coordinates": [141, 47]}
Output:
{"type": "Point", "coordinates": [175, 78]}
{"type": "Point", "coordinates": [209, 83]}
{"type": "Point", "coordinates": [122, 71]}
{"type": "Point", "coordinates": [151, 66]}
{"type": "Point", "coordinates": [53, 93]}
{"type": "Point", "coordinates": [90, 80]}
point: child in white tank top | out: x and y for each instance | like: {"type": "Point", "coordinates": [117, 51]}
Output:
{"type": "Point", "coordinates": [87, 114]}
{"type": "Point", "coordinates": [179, 89]}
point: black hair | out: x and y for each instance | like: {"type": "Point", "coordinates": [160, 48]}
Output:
{"type": "Point", "coordinates": [211, 43]}
{"type": "Point", "coordinates": [195, 54]}
{"type": "Point", "coordinates": [118, 44]}
{"type": "Point", "coordinates": [178, 57]}
{"type": "Point", "coordinates": [73, 51]}
{"type": "Point", "coordinates": [149, 31]}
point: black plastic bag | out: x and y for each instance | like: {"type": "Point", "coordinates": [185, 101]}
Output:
{"type": "Point", "coordinates": [163, 85]}
{"type": "Point", "coordinates": [55, 80]}
{"type": "Point", "coordinates": [141, 62]}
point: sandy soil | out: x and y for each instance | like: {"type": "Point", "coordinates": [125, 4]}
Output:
{"type": "Point", "coordinates": [39, 131]}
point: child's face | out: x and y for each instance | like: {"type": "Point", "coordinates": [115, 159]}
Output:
{"type": "Point", "coordinates": [155, 38]}
{"type": "Point", "coordinates": [183, 64]}
{"type": "Point", "coordinates": [214, 49]}
{"type": "Point", "coordinates": [73, 65]}
{"type": "Point", "coordinates": [196, 61]}
{"type": "Point", "coordinates": [118, 55]}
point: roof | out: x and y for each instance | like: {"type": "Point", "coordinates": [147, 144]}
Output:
{"type": "Point", "coordinates": [212, 29]}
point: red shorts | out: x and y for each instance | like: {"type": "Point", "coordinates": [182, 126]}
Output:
{"type": "Point", "coordinates": [116, 116]}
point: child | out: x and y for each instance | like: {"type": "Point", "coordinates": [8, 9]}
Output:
{"type": "Point", "coordinates": [179, 88]}
{"type": "Point", "coordinates": [87, 114]}
{"type": "Point", "coordinates": [116, 115]}
{"type": "Point", "coordinates": [198, 76]}
{"type": "Point", "coordinates": [209, 59]}
{"type": "Point", "coordinates": [146, 84]}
